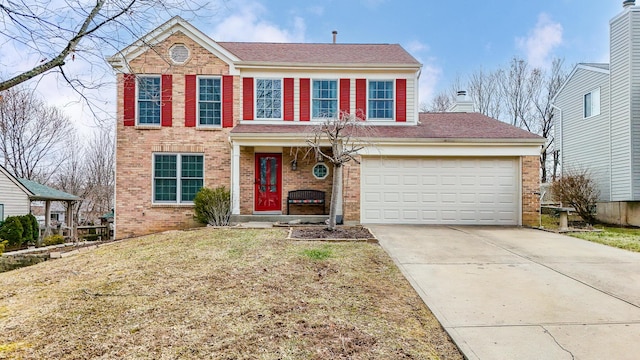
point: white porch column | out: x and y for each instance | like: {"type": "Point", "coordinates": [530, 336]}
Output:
{"type": "Point", "coordinates": [235, 179]}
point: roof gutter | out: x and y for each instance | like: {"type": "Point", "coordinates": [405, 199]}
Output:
{"type": "Point", "coordinates": [307, 66]}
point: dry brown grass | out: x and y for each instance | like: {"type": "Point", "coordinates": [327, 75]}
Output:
{"type": "Point", "coordinates": [218, 294]}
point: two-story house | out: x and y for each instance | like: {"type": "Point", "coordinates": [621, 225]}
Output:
{"type": "Point", "coordinates": [598, 127]}
{"type": "Point", "coordinates": [196, 112]}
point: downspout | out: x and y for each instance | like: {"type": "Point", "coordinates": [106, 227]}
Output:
{"type": "Point", "coordinates": [561, 138]}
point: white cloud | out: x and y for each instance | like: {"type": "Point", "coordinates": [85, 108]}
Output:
{"type": "Point", "coordinates": [416, 46]}
{"type": "Point", "coordinates": [246, 23]}
{"type": "Point", "coordinates": [541, 41]}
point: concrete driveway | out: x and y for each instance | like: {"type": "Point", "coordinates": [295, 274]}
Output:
{"type": "Point", "coordinates": [512, 293]}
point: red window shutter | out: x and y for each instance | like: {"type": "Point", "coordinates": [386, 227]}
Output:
{"type": "Point", "coordinates": [345, 88]}
{"type": "Point", "coordinates": [288, 99]}
{"type": "Point", "coordinates": [305, 99]}
{"type": "Point", "coordinates": [227, 101]}
{"type": "Point", "coordinates": [401, 99]}
{"type": "Point", "coordinates": [247, 98]}
{"type": "Point", "coordinates": [166, 115]}
{"type": "Point", "coordinates": [129, 97]}
{"type": "Point", "coordinates": [190, 101]}
{"type": "Point", "coordinates": [361, 98]}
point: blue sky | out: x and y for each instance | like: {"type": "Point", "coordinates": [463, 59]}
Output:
{"type": "Point", "coordinates": [450, 38]}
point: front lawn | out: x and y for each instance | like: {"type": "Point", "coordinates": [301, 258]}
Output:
{"type": "Point", "coordinates": [218, 294]}
{"type": "Point", "coordinates": [620, 237]}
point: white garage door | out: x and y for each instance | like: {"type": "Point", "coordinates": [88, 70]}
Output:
{"type": "Point", "coordinates": [414, 190]}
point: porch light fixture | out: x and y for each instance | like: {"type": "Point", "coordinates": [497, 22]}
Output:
{"type": "Point", "coordinates": [294, 165]}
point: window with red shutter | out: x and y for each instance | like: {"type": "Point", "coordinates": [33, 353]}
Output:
{"type": "Point", "coordinates": [361, 98]}
{"type": "Point", "coordinates": [227, 101]}
{"type": "Point", "coordinates": [345, 88]}
{"type": "Point", "coordinates": [288, 99]}
{"type": "Point", "coordinates": [401, 100]}
{"type": "Point", "coordinates": [166, 104]}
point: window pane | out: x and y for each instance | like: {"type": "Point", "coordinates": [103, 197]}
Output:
{"type": "Point", "coordinates": [268, 99]}
{"type": "Point", "coordinates": [209, 101]}
{"type": "Point", "coordinates": [149, 100]}
{"type": "Point", "coordinates": [381, 99]}
{"type": "Point", "coordinates": [587, 105]}
{"type": "Point", "coordinates": [325, 98]}
{"type": "Point", "coordinates": [192, 166]}
{"type": "Point", "coordinates": [190, 188]}
{"type": "Point", "coordinates": [165, 166]}
{"type": "Point", "coordinates": [165, 190]}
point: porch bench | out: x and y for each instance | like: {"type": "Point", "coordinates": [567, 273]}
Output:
{"type": "Point", "coordinates": [306, 197]}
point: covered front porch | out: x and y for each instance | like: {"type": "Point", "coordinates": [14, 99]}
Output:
{"type": "Point", "coordinates": [270, 162]}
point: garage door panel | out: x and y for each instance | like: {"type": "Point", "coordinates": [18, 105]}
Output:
{"type": "Point", "coordinates": [440, 191]}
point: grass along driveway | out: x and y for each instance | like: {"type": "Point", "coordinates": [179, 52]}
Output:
{"type": "Point", "coordinates": [218, 294]}
{"type": "Point", "coordinates": [621, 237]}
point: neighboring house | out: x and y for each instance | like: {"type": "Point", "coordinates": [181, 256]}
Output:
{"type": "Point", "coordinates": [14, 197]}
{"type": "Point", "coordinates": [598, 127]}
{"type": "Point", "coordinates": [195, 112]}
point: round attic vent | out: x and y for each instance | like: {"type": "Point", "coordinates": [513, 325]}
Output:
{"type": "Point", "coordinates": [179, 53]}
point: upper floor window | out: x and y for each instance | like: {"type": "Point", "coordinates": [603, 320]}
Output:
{"type": "Point", "coordinates": [209, 102]}
{"type": "Point", "coordinates": [149, 100]}
{"type": "Point", "coordinates": [592, 103]}
{"type": "Point", "coordinates": [380, 99]}
{"type": "Point", "coordinates": [324, 98]}
{"type": "Point", "coordinates": [268, 99]}
{"type": "Point", "coordinates": [177, 177]}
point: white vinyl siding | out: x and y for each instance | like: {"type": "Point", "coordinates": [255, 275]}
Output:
{"type": "Point", "coordinates": [411, 90]}
{"type": "Point", "coordinates": [634, 135]}
{"type": "Point", "coordinates": [584, 142]}
{"type": "Point", "coordinates": [620, 110]}
{"type": "Point", "coordinates": [14, 200]}
{"type": "Point", "coordinates": [426, 190]}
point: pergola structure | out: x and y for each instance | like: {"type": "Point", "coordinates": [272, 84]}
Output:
{"type": "Point", "coordinates": [44, 193]}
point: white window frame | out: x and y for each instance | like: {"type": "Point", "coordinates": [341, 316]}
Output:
{"type": "Point", "coordinates": [594, 109]}
{"type": "Point", "coordinates": [311, 106]}
{"type": "Point", "coordinates": [314, 173]}
{"type": "Point", "coordinates": [138, 87]}
{"type": "Point", "coordinates": [255, 98]}
{"type": "Point", "coordinates": [198, 124]}
{"type": "Point", "coordinates": [393, 100]}
{"type": "Point", "coordinates": [178, 200]}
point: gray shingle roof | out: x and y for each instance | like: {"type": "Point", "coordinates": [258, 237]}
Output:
{"type": "Point", "coordinates": [388, 54]}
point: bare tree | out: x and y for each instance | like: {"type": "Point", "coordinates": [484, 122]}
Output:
{"type": "Point", "coordinates": [344, 135]}
{"type": "Point", "coordinates": [50, 34]}
{"type": "Point", "coordinates": [88, 173]}
{"type": "Point", "coordinates": [32, 134]}
{"type": "Point", "coordinates": [439, 103]}
{"type": "Point", "coordinates": [545, 115]}
{"type": "Point", "coordinates": [484, 89]}
{"type": "Point", "coordinates": [518, 86]}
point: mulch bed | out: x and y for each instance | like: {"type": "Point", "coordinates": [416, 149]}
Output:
{"type": "Point", "coordinates": [341, 232]}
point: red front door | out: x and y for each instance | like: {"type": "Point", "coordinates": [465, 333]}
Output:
{"type": "Point", "coordinates": [268, 192]}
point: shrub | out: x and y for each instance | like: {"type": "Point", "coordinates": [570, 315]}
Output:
{"type": "Point", "coordinates": [12, 231]}
{"type": "Point", "coordinates": [3, 243]}
{"type": "Point", "coordinates": [213, 206]}
{"type": "Point", "coordinates": [35, 227]}
{"type": "Point", "coordinates": [579, 191]}
{"type": "Point", "coordinates": [27, 229]}
{"type": "Point", "coordinates": [53, 240]}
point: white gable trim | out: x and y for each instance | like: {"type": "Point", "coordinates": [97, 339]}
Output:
{"type": "Point", "coordinates": [120, 61]}
{"type": "Point", "coordinates": [572, 74]}
{"type": "Point", "coordinates": [15, 181]}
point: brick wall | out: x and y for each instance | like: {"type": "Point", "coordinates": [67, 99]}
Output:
{"type": "Point", "coordinates": [351, 191]}
{"type": "Point", "coordinates": [135, 215]}
{"type": "Point", "coordinates": [530, 190]}
{"type": "Point", "coordinates": [301, 178]}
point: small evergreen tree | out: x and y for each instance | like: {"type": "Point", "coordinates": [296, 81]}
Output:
{"type": "Point", "coordinates": [27, 229]}
{"type": "Point", "coordinates": [12, 231]}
